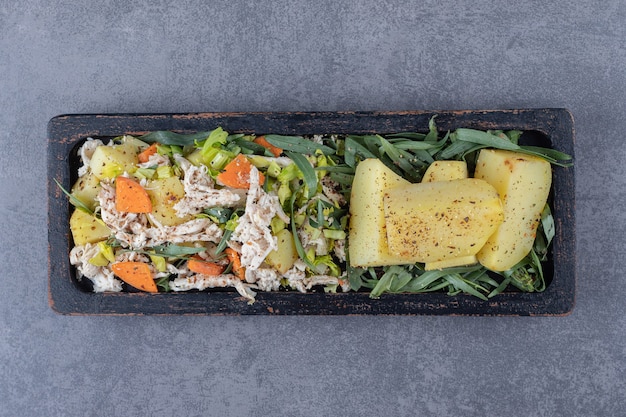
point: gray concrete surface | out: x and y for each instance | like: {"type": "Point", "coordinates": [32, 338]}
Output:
{"type": "Point", "coordinates": [144, 56]}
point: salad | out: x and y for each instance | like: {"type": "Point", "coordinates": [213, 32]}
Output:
{"type": "Point", "coordinates": [190, 212]}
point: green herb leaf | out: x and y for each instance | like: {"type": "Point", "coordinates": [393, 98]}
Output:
{"type": "Point", "coordinates": [484, 138]}
{"type": "Point", "coordinates": [219, 214]}
{"type": "Point", "coordinates": [175, 251]}
{"type": "Point", "coordinates": [164, 283]}
{"type": "Point", "coordinates": [294, 231]}
{"type": "Point", "coordinates": [223, 242]}
{"type": "Point", "coordinates": [75, 201]}
{"type": "Point", "coordinates": [553, 156]}
{"type": "Point", "coordinates": [310, 178]}
{"type": "Point", "coordinates": [355, 149]}
{"type": "Point", "coordinates": [463, 285]}
{"type": "Point", "coordinates": [171, 138]}
{"type": "Point", "coordinates": [298, 144]}
{"type": "Point", "coordinates": [253, 147]}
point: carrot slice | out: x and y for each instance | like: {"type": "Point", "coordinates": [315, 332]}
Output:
{"type": "Point", "coordinates": [200, 266]}
{"type": "Point", "coordinates": [237, 173]}
{"type": "Point", "coordinates": [131, 197]}
{"type": "Point", "coordinates": [136, 274]}
{"type": "Point", "coordinates": [233, 257]}
{"type": "Point", "coordinates": [145, 155]}
{"type": "Point", "coordinates": [273, 149]}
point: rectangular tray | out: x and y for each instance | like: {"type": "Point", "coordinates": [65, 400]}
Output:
{"type": "Point", "coordinates": [554, 126]}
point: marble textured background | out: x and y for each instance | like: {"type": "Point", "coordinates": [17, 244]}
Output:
{"type": "Point", "coordinates": [159, 56]}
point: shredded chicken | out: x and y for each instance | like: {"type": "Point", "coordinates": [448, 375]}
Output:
{"type": "Point", "coordinates": [156, 159]}
{"type": "Point", "coordinates": [266, 279]}
{"type": "Point", "coordinates": [297, 278]}
{"type": "Point", "coordinates": [340, 249]}
{"type": "Point", "coordinates": [320, 242]}
{"type": "Point", "coordinates": [320, 280]}
{"type": "Point", "coordinates": [331, 188]}
{"type": "Point", "coordinates": [86, 152]}
{"type": "Point", "coordinates": [133, 229]}
{"type": "Point", "coordinates": [281, 161]}
{"type": "Point", "coordinates": [102, 277]}
{"type": "Point", "coordinates": [252, 231]}
{"type": "Point", "coordinates": [200, 191]}
{"type": "Point", "coordinates": [201, 282]}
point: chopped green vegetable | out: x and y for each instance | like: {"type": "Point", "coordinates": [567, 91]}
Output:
{"type": "Point", "coordinates": [298, 144]}
{"type": "Point", "coordinates": [75, 201]}
{"type": "Point", "coordinates": [172, 138]}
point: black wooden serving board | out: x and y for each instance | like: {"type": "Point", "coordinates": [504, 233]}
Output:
{"type": "Point", "coordinates": [552, 127]}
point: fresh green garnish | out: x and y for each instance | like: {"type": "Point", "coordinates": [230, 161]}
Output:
{"type": "Point", "coordinates": [172, 138]}
{"type": "Point", "coordinates": [75, 201]}
{"type": "Point", "coordinates": [298, 144]}
{"type": "Point", "coordinates": [310, 178]}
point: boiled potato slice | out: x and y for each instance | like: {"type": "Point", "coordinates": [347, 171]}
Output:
{"type": "Point", "coordinates": [445, 171]}
{"type": "Point", "coordinates": [86, 189]}
{"type": "Point", "coordinates": [436, 221]}
{"type": "Point", "coordinates": [87, 228]}
{"type": "Point", "coordinates": [165, 193]}
{"type": "Point", "coordinates": [131, 141]}
{"type": "Point", "coordinates": [523, 182]}
{"type": "Point", "coordinates": [452, 262]}
{"type": "Point", "coordinates": [111, 161]}
{"type": "Point", "coordinates": [367, 240]}
{"type": "Point", "coordinates": [284, 257]}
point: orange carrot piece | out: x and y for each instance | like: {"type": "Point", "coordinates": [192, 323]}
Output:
{"type": "Point", "coordinates": [145, 155]}
{"type": "Point", "coordinates": [237, 173]}
{"type": "Point", "coordinates": [273, 149]}
{"type": "Point", "coordinates": [200, 266]}
{"type": "Point", "coordinates": [131, 197]}
{"type": "Point", "coordinates": [136, 274]}
{"type": "Point", "coordinates": [233, 257]}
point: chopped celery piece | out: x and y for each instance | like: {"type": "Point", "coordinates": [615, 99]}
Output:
{"type": "Point", "coordinates": [334, 234]}
{"type": "Point", "coordinates": [260, 161]}
{"type": "Point", "coordinates": [220, 159]}
{"type": "Point", "coordinates": [284, 193]}
{"type": "Point", "coordinates": [216, 138]}
{"type": "Point", "coordinates": [327, 261]}
{"type": "Point", "coordinates": [99, 260]}
{"type": "Point", "coordinates": [164, 172]}
{"type": "Point", "coordinates": [273, 170]}
{"type": "Point", "coordinates": [145, 173]}
{"type": "Point", "coordinates": [277, 225]}
{"type": "Point", "coordinates": [195, 157]}
{"type": "Point", "coordinates": [159, 263]}
{"type": "Point", "coordinates": [106, 251]}
{"type": "Point", "coordinates": [288, 173]}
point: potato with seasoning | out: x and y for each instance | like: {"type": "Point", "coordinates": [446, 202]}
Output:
{"type": "Point", "coordinates": [86, 189]}
{"type": "Point", "coordinates": [367, 233]}
{"type": "Point", "coordinates": [284, 257]}
{"type": "Point", "coordinates": [165, 193]}
{"type": "Point", "coordinates": [445, 171]}
{"type": "Point", "coordinates": [523, 183]}
{"type": "Point", "coordinates": [111, 161]}
{"type": "Point", "coordinates": [86, 228]}
{"type": "Point", "coordinates": [438, 221]}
